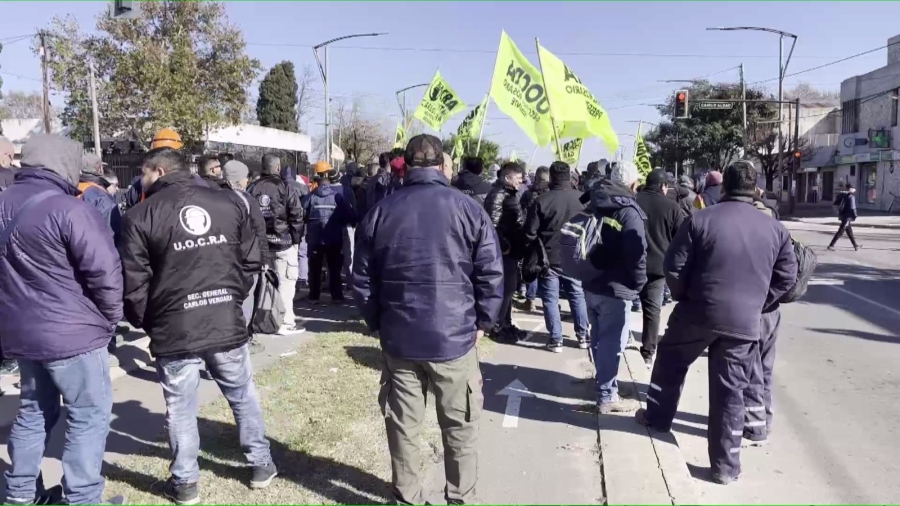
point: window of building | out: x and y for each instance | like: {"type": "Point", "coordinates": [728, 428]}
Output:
{"type": "Point", "coordinates": [868, 173]}
{"type": "Point", "coordinates": [850, 117]}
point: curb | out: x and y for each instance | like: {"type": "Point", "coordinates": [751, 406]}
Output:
{"type": "Point", "coordinates": [855, 224]}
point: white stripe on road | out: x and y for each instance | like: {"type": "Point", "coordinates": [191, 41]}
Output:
{"type": "Point", "coordinates": [866, 299]}
{"type": "Point", "coordinates": [511, 415]}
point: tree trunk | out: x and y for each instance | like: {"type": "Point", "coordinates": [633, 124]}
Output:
{"type": "Point", "coordinates": [770, 179]}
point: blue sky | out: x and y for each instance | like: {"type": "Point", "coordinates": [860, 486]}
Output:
{"type": "Point", "coordinates": [461, 38]}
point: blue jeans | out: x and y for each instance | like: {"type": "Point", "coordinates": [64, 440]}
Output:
{"type": "Point", "coordinates": [531, 290]}
{"type": "Point", "coordinates": [302, 258]}
{"type": "Point", "coordinates": [550, 286]}
{"type": "Point", "coordinates": [609, 335]}
{"type": "Point", "coordinates": [180, 378]}
{"type": "Point", "coordinates": [85, 387]}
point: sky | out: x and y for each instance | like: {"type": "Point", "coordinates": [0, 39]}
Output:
{"type": "Point", "coordinates": [620, 50]}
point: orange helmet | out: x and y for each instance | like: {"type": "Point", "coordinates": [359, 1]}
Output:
{"type": "Point", "coordinates": [166, 138]}
{"type": "Point", "coordinates": [322, 166]}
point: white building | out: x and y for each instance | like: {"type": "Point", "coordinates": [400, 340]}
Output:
{"type": "Point", "coordinates": [869, 148]}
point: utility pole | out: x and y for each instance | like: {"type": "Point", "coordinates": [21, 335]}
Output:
{"type": "Point", "coordinates": [46, 84]}
{"type": "Point", "coordinates": [781, 112]}
{"type": "Point", "coordinates": [327, 111]}
{"type": "Point", "coordinates": [94, 113]}
{"type": "Point", "coordinates": [794, 166]}
{"type": "Point", "coordinates": [744, 106]}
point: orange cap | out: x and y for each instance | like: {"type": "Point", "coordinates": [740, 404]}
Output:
{"type": "Point", "coordinates": [166, 138]}
{"type": "Point", "coordinates": [322, 166]}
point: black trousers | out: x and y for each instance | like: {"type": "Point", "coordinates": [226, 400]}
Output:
{"type": "Point", "coordinates": [651, 304]}
{"type": "Point", "coordinates": [510, 284]}
{"type": "Point", "coordinates": [846, 226]}
{"type": "Point", "coordinates": [758, 396]}
{"type": "Point", "coordinates": [333, 256]}
{"type": "Point", "coordinates": [729, 360]}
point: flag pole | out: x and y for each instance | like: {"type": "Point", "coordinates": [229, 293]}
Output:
{"type": "Point", "coordinates": [487, 105]}
{"type": "Point", "coordinates": [537, 46]}
{"type": "Point", "coordinates": [532, 156]}
{"type": "Point", "coordinates": [638, 136]}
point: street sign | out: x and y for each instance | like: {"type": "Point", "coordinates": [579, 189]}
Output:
{"type": "Point", "coordinates": [722, 106]}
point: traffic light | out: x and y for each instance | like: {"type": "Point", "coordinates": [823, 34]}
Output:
{"type": "Point", "coordinates": [124, 8]}
{"type": "Point", "coordinates": [681, 104]}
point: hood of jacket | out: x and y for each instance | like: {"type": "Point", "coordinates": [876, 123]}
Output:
{"type": "Point", "coordinates": [46, 176]}
{"type": "Point", "coordinates": [468, 180]}
{"type": "Point", "coordinates": [172, 179]}
{"type": "Point", "coordinates": [543, 186]}
{"type": "Point", "coordinates": [326, 190]}
{"type": "Point", "coordinates": [288, 174]}
{"type": "Point", "coordinates": [608, 196]}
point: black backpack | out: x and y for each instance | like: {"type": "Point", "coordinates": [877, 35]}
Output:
{"type": "Point", "coordinates": [806, 265]}
{"type": "Point", "coordinates": [535, 264]}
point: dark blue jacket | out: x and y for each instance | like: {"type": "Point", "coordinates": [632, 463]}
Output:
{"type": "Point", "coordinates": [97, 196]}
{"type": "Point", "coordinates": [290, 177]}
{"type": "Point", "coordinates": [726, 263]}
{"type": "Point", "coordinates": [847, 207]}
{"type": "Point", "coordinates": [327, 214]}
{"type": "Point", "coordinates": [60, 274]}
{"type": "Point", "coordinates": [345, 186]}
{"type": "Point", "coordinates": [621, 260]}
{"type": "Point", "coordinates": [427, 271]}
{"type": "Point", "coordinates": [378, 187]}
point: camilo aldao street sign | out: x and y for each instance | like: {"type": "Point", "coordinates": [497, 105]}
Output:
{"type": "Point", "coordinates": [716, 105]}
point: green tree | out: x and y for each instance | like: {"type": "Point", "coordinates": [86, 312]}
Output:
{"type": "Point", "coordinates": [490, 151]}
{"type": "Point", "coordinates": [178, 64]}
{"type": "Point", "coordinates": [277, 103]}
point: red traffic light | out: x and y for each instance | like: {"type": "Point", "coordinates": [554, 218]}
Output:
{"type": "Point", "coordinates": [681, 96]}
{"type": "Point", "coordinates": [796, 154]}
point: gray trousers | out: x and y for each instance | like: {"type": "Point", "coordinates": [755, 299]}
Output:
{"type": "Point", "coordinates": [758, 396]}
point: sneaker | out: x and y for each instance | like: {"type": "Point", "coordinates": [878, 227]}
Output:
{"type": "Point", "coordinates": [583, 342]}
{"type": "Point", "coordinates": [648, 361]}
{"type": "Point", "coordinates": [256, 347]}
{"type": "Point", "coordinates": [9, 367]}
{"type": "Point", "coordinates": [205, 374]}
{"type": "Point", "coordinates": [722, 479]}
{"type": "Point", "coordinates": [857, 247]}
{"type": "Point", "coordinates": [554, 347]}
{"type": "Point", "coordinates": [287, 329]}
{"type": "Point", "coordinates": [830, 248]}
{"type": "Point", "coordinates": [263, 476]}
{"type": "Point", "coordinates": [529, 306]}
{"type": "Point", "coordinates": [181, 493]}
{"type": "Point", "coordinates": [619, 406]}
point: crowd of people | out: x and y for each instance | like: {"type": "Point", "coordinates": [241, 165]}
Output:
{"type": "Point", "coordinates": [434, 260]}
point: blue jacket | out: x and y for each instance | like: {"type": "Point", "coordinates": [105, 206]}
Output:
{"type": "Point", "coordinates": [723, 275]}
{"type": "Point", "coordinates": [327, 213]}
{"type": "Point", "coordinates": [290, 177]}
{"type": "Point", "coordinates": [105, 203]}
{"type": "Point", "coordinates": [621, 259]}
{"type": "Point", "coordinates": [60, 274]}
{"type": "Point", "coordinates": [427, 270]}
{"type": "Point", "coordinates": [378, 187]}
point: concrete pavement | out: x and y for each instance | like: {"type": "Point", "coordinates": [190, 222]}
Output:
{"type": "Point", "coordinates": [882, 221]}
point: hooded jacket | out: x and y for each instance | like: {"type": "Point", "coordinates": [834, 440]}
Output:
{"type": "Point", "coordinates": [726, 264]}
{"type": "Point", "coordinates": [327, 214]}
{"type": "Point", "coordinates": [427, 270]}
{"type": "Point", "coordinates": [533, 192]}
{"type": "Point", "coordinates": [282, 210]}
{"type": "Point", "coordinates": [505, 210]}
{"type": "Point", "coordinates": [548, 213]}
{"type": "Point", "coordinates": [378, 187]}
{"type": "Point", "coordinates": [685, 198]}
{"type": "Point", "coordinates": [663, 219]}
{"type": "Point", "coordinates": [189, 254]}
{"type": "Point", "coordinates": [290, 177]}
{"type": "Point", "coordinates": [847, 207]}
{"type": "Point", "coordinates": [94, 193]}
{"type": "Point", "coordinates": [621, 259]}
{"type": "Point", "coordinates": [710, 196]}
{"type": "Point", "coordinates": [472, 185]}
{"type": "Point", "coordinates": [60, 274]}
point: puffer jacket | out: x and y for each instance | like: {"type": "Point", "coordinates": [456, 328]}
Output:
{"type": "Point", "coordinates": [60, 274]}
{"type": "Point", "coordinates": [505, 210]}
{"type": "Point", "coordinates": [427, 270]}
{"type": "Point", "coordinates": [621, 259]}
{"type": "Point", "coordinates": [281, 208]}
{"type": "Point", "coordinates": [94, 193]}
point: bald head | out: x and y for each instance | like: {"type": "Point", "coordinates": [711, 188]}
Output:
{"type": "Point", "coordinates": [7, 153]}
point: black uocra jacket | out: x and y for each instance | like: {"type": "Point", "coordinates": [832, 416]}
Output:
{"type": "Point", "coordinates": [504, 207]}
{"type": "Point", "coordinates": [189, 254]}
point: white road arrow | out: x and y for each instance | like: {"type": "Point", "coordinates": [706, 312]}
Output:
{"type": "Point", "coordinates": [515, 391]}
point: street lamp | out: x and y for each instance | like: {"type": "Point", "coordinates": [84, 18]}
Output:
{"type": "Point", "coordinates": [402, 103]}
{"type": "Point", "coordinates": [324, 70]}
{"type": "Point", "coordinates": [782, 70]}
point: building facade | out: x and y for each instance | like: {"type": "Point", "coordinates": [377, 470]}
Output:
{"type": "Point", "coordinates": [869, 149]}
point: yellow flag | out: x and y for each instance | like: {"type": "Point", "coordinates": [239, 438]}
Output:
{"type": "Point", "coordinates": [512, 156]}
{"type": "Point", "coordinates": [471, 126]}
{"type": "Point", "coordinates": [571, 152]}
{"type": "Point", "coordinates": [400, 135]}
{"type": "Point", "coordinates": [439, 103]}
{"type": "Point", "coordinates": [576, 112]}
{"type": "Point", "coordinates": [641, 156]}
{"type": "Point", "coordinates": [458, 150]}
{"type": "Point", "coordinates": [518, 91]}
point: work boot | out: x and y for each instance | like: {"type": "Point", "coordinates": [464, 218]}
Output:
{"type": "Point", "coordinates": [619, 406]}
{"type": "Point", "coordinates": [529, 306]}
{"type": "Point", "coordinates": [181, 493]}
{"type": "Point", "coordinates": [640, 416]}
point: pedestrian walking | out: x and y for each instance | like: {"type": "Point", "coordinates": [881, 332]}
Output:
{"type": "Point", "coordinates": [546, 216]}
{"type": "Point", "coordinates": [621, 272]}
{"type": "Point", "coordinates": [540, 186]}
{"type": "Point", "coordinates": [846, 205]}
{"type": "Point", "coordinates": [427, 277]}
{"type": "Point", "coordinates": [663, 220]}
{"type": "Point", "coordinates": [718, 308]}
{"type": "Point", "coordinates": [504, 207]}
{"type": "Point", "coordinates": [327, 214]}
{"type": "Point", "coordinates": [283, 212]}
{"type": "Point", "coordinates": [470, 180]}
{"type": "Point", "coordinates": [189, 255]}
{"type": "Point", "coordinates": [60, 301]}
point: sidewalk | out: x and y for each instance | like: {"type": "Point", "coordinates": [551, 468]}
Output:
{"type": "Point", "coordinates": [884, 221]}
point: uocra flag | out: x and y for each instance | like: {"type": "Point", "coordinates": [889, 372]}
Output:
{"type": "Point", "coordinates": [641, 156]}
{"type": "Point", "coordinates": [439, 103]}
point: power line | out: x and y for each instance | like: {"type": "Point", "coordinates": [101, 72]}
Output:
{"type": "Point", "coordinates": [16, 38]}
{"type": "Point", "coordinates": [817, 67]}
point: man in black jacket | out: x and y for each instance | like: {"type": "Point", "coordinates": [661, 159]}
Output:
{"type": "Point", "coordinates": [726, 265]}
{"type": "Point", "coordinates": [427, 277]}
{"type": "Point", "coordinates": [846, 204]}
{"type": "Point", "coordinates": [546, 217]}
{"type": "Point", "coordinates": [210, 171]}
{"type": "Point", "coordinates": [470, 180]}
{"type": "Point", "coordinates": [283, 212]}
{"type": "Point", "coordinates": [189, 255]}
{"type": "Point", "coordinates": [663, 219]}
{"type": "Point", "coordinates": [503, 206]}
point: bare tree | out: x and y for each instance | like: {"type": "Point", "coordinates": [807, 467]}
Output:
{"type": "Point", "coordinates": [307, 95]}
{"type": "Point", "coordinates": [762, 145]}
{"type": "Point", "coordinates": [357, 132]}
{"type": "Point", "coordinates": [22, 105]}
{"type": "Point", "coordinates": [807, 93]}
